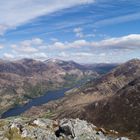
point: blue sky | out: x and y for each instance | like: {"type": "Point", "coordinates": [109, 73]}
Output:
{"type": "Point", "coordinates": [86, 31]}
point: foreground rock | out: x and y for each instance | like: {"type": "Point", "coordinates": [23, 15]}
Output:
{"type": "Point", "coordinates": [45, 129]}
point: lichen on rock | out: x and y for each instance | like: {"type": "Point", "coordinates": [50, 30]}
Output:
{"type": "Point", "coordinates": [46, 129]}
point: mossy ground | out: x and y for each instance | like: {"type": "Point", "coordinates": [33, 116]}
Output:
{"type": "Point", "coordinates": [13, 134]}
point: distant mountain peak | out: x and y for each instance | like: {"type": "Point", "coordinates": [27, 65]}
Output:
{"type": "Point", "coordinates": [54, 60]}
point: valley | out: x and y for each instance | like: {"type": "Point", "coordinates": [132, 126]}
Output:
{"type": "Point", "coordinates": [111, 101]}
{"type": "Point", "coordinates": [26, 79]}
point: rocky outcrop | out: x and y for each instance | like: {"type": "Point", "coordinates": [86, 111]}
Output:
{"type": "Point", "coordinates": [45, 129]}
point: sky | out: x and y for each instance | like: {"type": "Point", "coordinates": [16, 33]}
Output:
{"type": "Point", "coordinates": [86, 31]}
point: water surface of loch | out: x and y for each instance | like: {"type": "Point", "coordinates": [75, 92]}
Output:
{"type": "Point", "coordinates": [49, 96]}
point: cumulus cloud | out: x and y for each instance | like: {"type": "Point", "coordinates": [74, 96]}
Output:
{"type": "Point", "coordinates": [14, 13]}
{"type": "Point", "coordinates": [125, 42]}
{"type": "Point", "coordinates": [129, 42]}
{"type": "Point", "coordinates": [88, 56]}
{"type": "Point", "coordinates": [24, 49]}
{"type": "Point", "coordinates": [79, 50]}
{"type": "Point", "coordinates": [28, 49]}
{"type": "Point", "coordinates": [27, 46]}
{"type": "Point", "coordinates": [8, 56]}
{"type": "Point", "coordinates": [32, 42]}
{"type": "Point", "coordinates": [80, 34]}
{"type": "Point", "coordinates": [76, 56]}
{"type": "Point", "coordinates": [67, 45]}
{"type": "Point", "coordinates": [37, 56]}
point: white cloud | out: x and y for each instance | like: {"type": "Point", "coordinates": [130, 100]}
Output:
{"type": "Point", "coordinates": [24, 49]}
{"type": "Point", "coordinates": [33, 48]}
{"type": "Point", "coordinates": [119, 19]}
{"type": "Point", "coordinates": [37, 41]}
{"type": "Point", "coordinates": [125, 42]}
{"type": "Point", "coordinates": [32, 42]}
{"type": "Point", "coordinates": [129, 42]}
{"type": "Point", "coordinates": [59, 45]}
{"type": "Point", "coordinates": [102, 54]}
{"type": "Point", "coordinates": [37, 56]}
{"type": "Point", "coordinates": [8, 56]}
{"type": "Point", "coordinates": [79, 50]}
{"type": "Point", "coordinates": [3, 28]}
{"type": "Point", "coordinates": [28, 46]}
{"type": "Point", "coordinates": [92, 57]}
{"type": "Point", "coordinates": [1, 46]}
{"type": "Point", "coordinates": [76, 56]}
{"type": "Point", "coordinates": [54, 39]}
{"type": "Point", "coordinates": [67, 45]}
{"type": "Point", "coordinates": [78, 32]}
{"type": "Point", "coordinates": [90, 35]}
{"type": "Point", "coordinates": [84, 54]}
{"type": "Point", "coordinates": [14, 13]}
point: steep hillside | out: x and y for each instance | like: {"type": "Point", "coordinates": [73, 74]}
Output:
{"type": "Point", "coordinates": [111, 101]}
{"type": "Point", "coordinates": [114, 80]}
{"type": "Point", "coordinates": [102, 68]}
{"type": "Point", "coordinates": [120, 111]}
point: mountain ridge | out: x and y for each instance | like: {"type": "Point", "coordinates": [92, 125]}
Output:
{"type": "Point", "coordinates": [22, 80]}
{"type": "Point", "coordinates": [90, 102]}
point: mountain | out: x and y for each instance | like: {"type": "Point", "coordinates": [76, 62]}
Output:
{"type": "Point", "coordinates": [111, 82]}
{"type": "Point", "coordinates": [46, 129]}
{"type": "Point", "coordinates": [111, 101]}
{"type": "Point", "coordinates": [120, 111]}
{"type": "Point", "coordinates": [22, 80]}
{"type": "Point", "coordinates": [102, 68]}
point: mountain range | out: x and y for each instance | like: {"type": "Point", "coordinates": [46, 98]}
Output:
{"type": "Point", "coordinates": [22, 80]}
{"type": "Point", "coordinates": [111, 101]}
